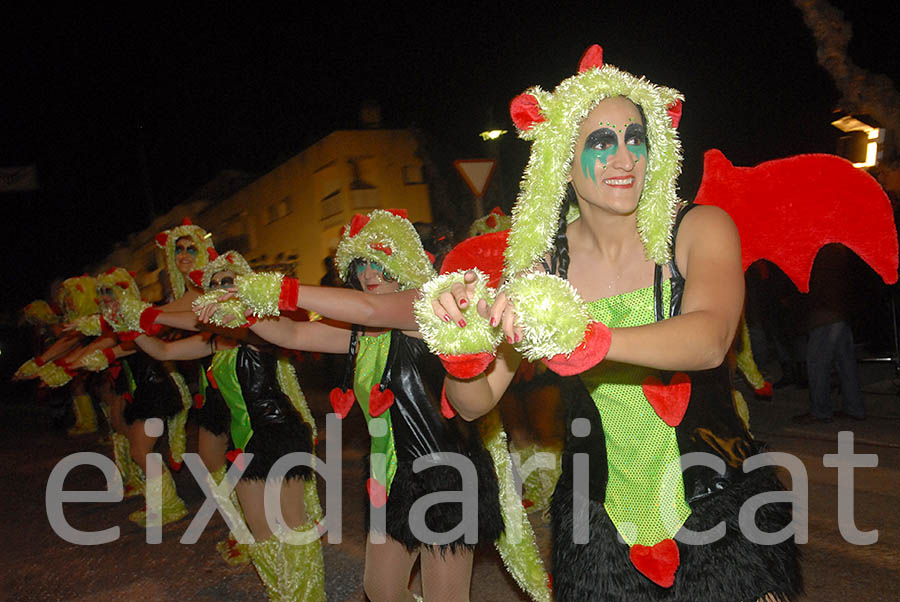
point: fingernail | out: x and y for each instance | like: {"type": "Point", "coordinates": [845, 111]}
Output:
{"type": "Point", "coordinates": [509, 340]}
{"type": "Point", "coordinates": [462, 323]}
{"type": "Point", "coordinates": [446, 317]}
{"type": "Point", "coordinates": [493, 321]}
{"type": "Point", "coordinates": [518, 338]}
{"type": "Point", "coordinates": [463, 302]}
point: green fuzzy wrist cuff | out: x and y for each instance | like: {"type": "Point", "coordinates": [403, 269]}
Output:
{"type": "Point", "coordinates": [128, 317]}
{"type": "Point", "coordinates": [229, 313]}
{"type": "Point", "coordinates": [95, 361]}
{"type": "Point", "coordinates": [29, 368]}
{"type": "Point", "coordinates": [53, 376]}
{"type": "Point", "coordinates": [551, 313]}
{"type": "Point", "coordinates": [89, 326]}
{"type": "Point", "coordinates": [260, 292]}
{"type": "Point", "coordinates": [447, 338]}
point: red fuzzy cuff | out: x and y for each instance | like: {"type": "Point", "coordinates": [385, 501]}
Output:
{"type": "Point", "coordinates": [467, 366]}
{"type": "Point", "coordinates": [148, 321]}
{"type": "Point", "coordinates": [588, 354]}
{"type": "Point", "coordinates": [130, 335]}
{"type": "Point", "coordinates": [38, 361]}
{"type": "Point", "coordinates": [110, 355]}
{"type": "Point", "coordinates": [290, 294]}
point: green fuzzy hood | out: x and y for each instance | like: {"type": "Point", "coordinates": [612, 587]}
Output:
{"type": "Point", "coordinates": [554, 132]}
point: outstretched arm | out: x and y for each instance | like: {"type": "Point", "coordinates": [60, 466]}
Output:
{"type": "Point", "coordinates": [191, 348]}
{"type": "Point", "coordinates": [318, 336]}
{"type": "Point", "coordinates": [394, 310]}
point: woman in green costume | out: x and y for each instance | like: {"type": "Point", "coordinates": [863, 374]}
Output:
{"type": "Point", "coordinates": [397, 384]}
{"type": "Point", "coordinates": [598, 219]}
{"type": "Point", "coordinates": [269, 419]}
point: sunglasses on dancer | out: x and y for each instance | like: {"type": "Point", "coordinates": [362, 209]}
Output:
{"type": "Point", "coordinates": [190, 250]}
{"type": "Point", "coordinates": [361, 267]}
{"type": "Point", "coordinates": [224, 283]}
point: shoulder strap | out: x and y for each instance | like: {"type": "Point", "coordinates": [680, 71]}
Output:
{"type": "Point", "coordinates": [677, 280]}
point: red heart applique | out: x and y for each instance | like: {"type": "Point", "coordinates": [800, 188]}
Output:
{"type": "Point", "coordinates": [341, 401]}
{"type": "Point", "coordinates": [670, 401]}
{"type": "Point", "coordinates": [198, 401]}
{"type": "Point", "coordinates": [236, 456]}
{"type": "Point", "coordinates": [377, 493]}
{"type": "Point", "coordinates": [588, 354]}
{"type": "Point", "coordinates": [379, 400]}
{"type": "Point", "coordinates": [175, 465]}
{"type": "Point", "coordinates": [446, 409]}
{"type": "Point", "coordinates": [658, 563]}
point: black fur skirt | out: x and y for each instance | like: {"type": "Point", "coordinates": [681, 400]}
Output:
{"type": "Point", "coordinates": [731, 569]}
{"type": "Point", "coordinates": [272, 440]}
{"type": "Point", "coordinates": [214, 415]}
{"type": "Point", "coordinates": [153, 399]}
{"type": "Point", "coordinates": [408, 486]}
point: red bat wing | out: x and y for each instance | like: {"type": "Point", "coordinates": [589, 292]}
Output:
{"type": "Point", "coordinates": [787, 209]}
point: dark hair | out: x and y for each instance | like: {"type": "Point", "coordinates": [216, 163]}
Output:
{"type": "Point", "coordinates": [353, 273]}
{"type": "Point", "coordinates": [352, 276]}
{"type": "Point", "coordinates": [559, 258]}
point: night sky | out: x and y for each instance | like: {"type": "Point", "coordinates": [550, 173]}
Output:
{"type": "Point", "coordinates": [125, 114]}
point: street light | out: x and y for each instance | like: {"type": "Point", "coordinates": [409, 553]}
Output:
{"type": "Point", "coordinates": [492, 134]}
{"type": "Point", "coordinates": [860, 145]}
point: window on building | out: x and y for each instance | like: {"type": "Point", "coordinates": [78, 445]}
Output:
{"type": "Point", "coordinates": [412, 174]}
{"type": "Point", "coordinates": [278, 210]}
{"type": "Point", "coordinates": [331, 205]}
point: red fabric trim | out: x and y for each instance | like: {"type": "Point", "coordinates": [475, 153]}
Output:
{"type": "Point", "coordinates": [110, 355]}
{"type": "Point", "coordinates": [38, 361]}
{"type": "Point", "coordinates": [290, 294]}
{"type": "Point", "coordinates": [148, 321]}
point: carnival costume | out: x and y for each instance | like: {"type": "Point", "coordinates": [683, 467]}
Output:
{"type": "Point", "coordinates": [76, 298]}
{"type": "Point", "coordinates": [397, 384]}
{"type": "Point", "coordinates": [633, 423]}
{"type": "Point", "coordinates": [166, 241]}
{"type": "Point", "coordinates": [269, 418]}
{"type": "Point", "coordinates": [150, 391]}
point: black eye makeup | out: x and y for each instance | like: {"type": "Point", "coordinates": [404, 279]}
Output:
{"type": "Point", "coordinates": [635, 134]}
{"type": "Point", "coordinates": [601, 139]}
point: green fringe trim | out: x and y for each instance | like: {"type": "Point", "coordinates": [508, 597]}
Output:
{"type": "Point", "coordinates": [229, 314]}
{"type": "Point", "coordinates": [198, 235]}
{"type": "Point", "coordinates": [551, 313]}
{"type": "Point", "coordinates": [260, 292]}
{"type": "Point", "coordinates": [480, 226]}
{"type": "Point", "coordinates": [89, 325]}
{"type": "Point", "coordinates": [517, 546]}
{"type": "Point", "coordinates": [53, 376]}
{"type": "Point", "coordinates": [535, 214]}
{"type": "Point", "coordinates": [287, 380]}
{"type": "Point", "coordinates": [177, 435]}
{"type": "Point", "coordinates": [128, 316]}
{"type": "Point", "coordinates": [81, 294]}
{"type": "Point", "coordinates": [407, 261]}
{"type": "Point", "coordinates": [447, 338]}
{"type": "Point", "coordinates": [95, 361]}
{"type": "Point", "coordinates": [39, 313]}
{"type": "Point", "coordinates": [745, 362]}
{"type": "Point", "coordinates": [231, 261]}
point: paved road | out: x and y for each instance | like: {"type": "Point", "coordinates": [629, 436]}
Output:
{"type": "Point", "coordinates": [41, 566]}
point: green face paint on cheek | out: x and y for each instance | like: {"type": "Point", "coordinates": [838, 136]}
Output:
{"type": "Point", "coordinates": [589, 158]}
{"type": "Point", "coordinates": [638, 150]}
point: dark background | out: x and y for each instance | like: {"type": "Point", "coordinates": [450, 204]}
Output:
{"type": "Point", "coordinates": [125, 114]}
